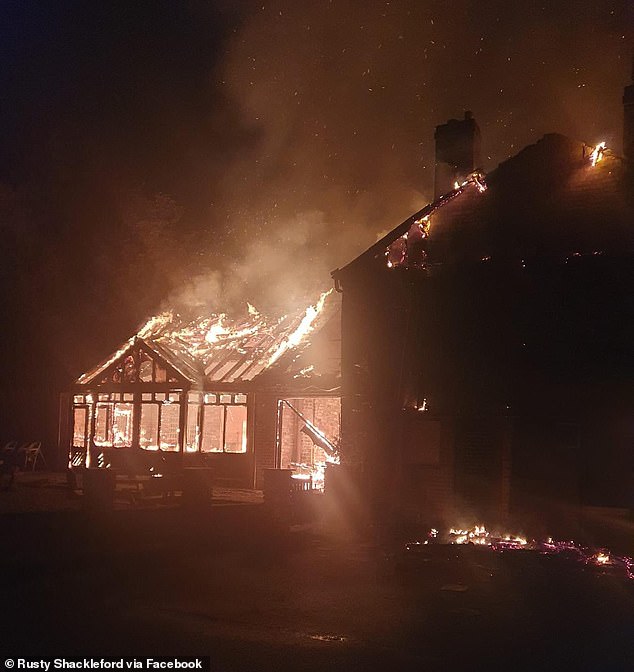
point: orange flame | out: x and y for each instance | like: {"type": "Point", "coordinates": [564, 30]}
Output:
{"type": "Point", "coordinates": [597, 154]}
{"type": "Point", "coordinates": [216, 330]}
{"type": "Point", "coordinates": [304, 328]}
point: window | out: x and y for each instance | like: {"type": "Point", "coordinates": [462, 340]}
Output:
{"type": "Point", "coordinates": [148, 431]}
{"type": "Point", "coordinates": [122, 425]}
{"type": "Point", "coordinates": [213, 429]}
{"type": "Point", "coordinates": [224, 424]}
{"type": "Point", "coordinates": [115, 416]}
{"type": "Point", "coordinates": [145, 370]}
{"type": "Point", "coordinates": [103, 425]}
{"type": "Point", "coordinates": [192, 436]}
{"type": "Point", "coordinates": [113, 423]}
{"type": "Point", "coordinates": [235, 429]}
{"type": "Point", "coordinates": [80, 426]}
{"type": "Point", "coordinates": [170, 414]}
{"type": "Point", "coordinates": [138, 366]}
{"type": "Point", "coordinates": [160, 374]}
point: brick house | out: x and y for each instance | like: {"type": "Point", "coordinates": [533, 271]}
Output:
{"type": "Point", "coordinates": [487, 359]}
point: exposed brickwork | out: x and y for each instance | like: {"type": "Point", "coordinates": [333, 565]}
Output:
{"type": "Point", "coordinates": [264, 423]}
{"type": "Point", "coordinates": [324, 413]}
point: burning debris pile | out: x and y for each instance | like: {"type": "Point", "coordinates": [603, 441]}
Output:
{"type": "Point", "coordinates": [597, 153]}
{"type": "Point", "coordinates": [569, 551]}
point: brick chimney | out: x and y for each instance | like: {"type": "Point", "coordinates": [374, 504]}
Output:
{"type": "Point", "coordinates": [457, 152]}
{"type": "Point", "coordinates": [628, 119]}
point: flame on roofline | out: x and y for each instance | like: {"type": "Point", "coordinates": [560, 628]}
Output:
{"type": "Point", "coordinates": [219, 348]}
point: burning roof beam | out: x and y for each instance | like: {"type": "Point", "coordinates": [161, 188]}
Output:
{"type": "Point", "coordinates": [313, 432]}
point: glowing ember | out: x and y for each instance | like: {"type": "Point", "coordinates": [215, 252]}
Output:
{"type": "Point", "coordinates": [422, 408]}
{"type": "Point", "coordinates": [423, 225]}
{"type": "Point", "coordinates": [155, 324]}
{"type": "Point", "coordinates": [216, 330]}
{"type": "Point", "coordinates": [314, 474]}
{"type": "Point", "coordinates": [305, 371]}
{"type": "Point", "coordinates": [597, 154]}
{"type": "Point", "coordinates": [406, 250]}
{"type": "Point", "coordinates": [566, 550]}
{"type": "Point", "coordinates": [478, 180]}
{"type": "Point", "coordinates": [476, 535]}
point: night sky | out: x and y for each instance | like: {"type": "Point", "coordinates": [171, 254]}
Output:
{"type": "Point", "coordinates": [207, 153]}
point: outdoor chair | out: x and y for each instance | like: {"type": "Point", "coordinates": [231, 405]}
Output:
{"type": "Point", "coordinates": [32, 452]}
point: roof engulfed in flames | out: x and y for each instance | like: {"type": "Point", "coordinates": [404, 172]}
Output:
{"type": "Point", "coordinates": [220, 349]}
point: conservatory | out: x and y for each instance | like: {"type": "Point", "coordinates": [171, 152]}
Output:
{"type": "Point", "coordinates": [237, 395]}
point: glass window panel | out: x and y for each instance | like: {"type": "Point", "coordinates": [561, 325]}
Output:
{"type": "Point", "coordinates": [236, 429]}
{"type": "Point", "coordinates": [192, 437]}
{"type": "Point", "coordinates": [128, 397]}
{"type": "Point", "coordinates": [129, 370]}
{"type": "Point", "coordinates": [78, 399]}
{"type": "Point", "coordinates": [104, 397]}
{"type": "Point", "coordinates": [148, 431]}
{"type": "Point", "coordinates": [145, 371]}
{"type": "Point", "coordinates": [174, 396]}
{"type": "Point", "coordinates": [80, 416]}
{"type": "Point", "coordinates": [225, 399]}
{"type": "Point", "coordinates": [241, 398]}
{"type": "Point", "coordinates": [122, 425]}
{"type": "Point", "coordinates": [146, 396]}
{"type": "Point", "coordinates": [213, 425]}
{"type": "Point", "coordinates": [210, 398]}
{"type": "Point", "coordinates": [194, 397]}
{"type": "Point", "coordinates": [161, 374]}
{"type": "Point", "coordinates": [160, 396]}
{"type": "Point", "coordinates": [103, 425]}
{"type": "Point", "coordinates": [169, 427]}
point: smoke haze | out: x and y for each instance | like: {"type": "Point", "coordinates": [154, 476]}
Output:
{"type": "Point", "coordinates": [208, 153]}
{"type": "Point", "coordinates": [340, 101]}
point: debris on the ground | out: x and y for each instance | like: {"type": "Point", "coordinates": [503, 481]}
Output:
{"type": "Point", "coordinates": [438, 546]}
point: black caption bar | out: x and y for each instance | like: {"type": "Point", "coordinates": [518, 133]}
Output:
{"type": "Point", "coordinates": [130, 663]}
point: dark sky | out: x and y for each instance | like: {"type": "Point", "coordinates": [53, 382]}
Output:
{"type": "Point", "coordinates": [212, 152]}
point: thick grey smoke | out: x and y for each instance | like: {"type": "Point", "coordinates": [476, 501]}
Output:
{"type": "Point", "coordinates": [341, 100]}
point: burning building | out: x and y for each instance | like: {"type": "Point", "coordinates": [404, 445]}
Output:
{"type": "Point", "coordinates": [487, 340]}
{"type": "Point", "coordinates": [484, 348]}
{"type": "Point", "coordinates": [236, 395]}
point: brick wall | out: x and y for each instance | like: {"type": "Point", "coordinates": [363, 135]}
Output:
{"type": "Point", "coordinates": [324, 413]}
{"type": "Point", "coordinates": [264, 424]}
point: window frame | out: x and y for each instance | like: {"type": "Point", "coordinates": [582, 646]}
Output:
{"type": "Point", "coordinates": [81, 406]}
{"type": "Point", "coordinates": [213, 399]}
